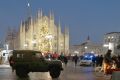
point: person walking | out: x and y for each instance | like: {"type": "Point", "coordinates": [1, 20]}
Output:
{"type": "Point", "coordinates": [65, 60]}
{"type": "Point", "coordinates": [11, 62]}
{"type": "Point", "coordinates": [107, 62]}
{"type": "Point", "coordinates": [101, 60]}
{"type": "Point", "coordinates": [75, 59]}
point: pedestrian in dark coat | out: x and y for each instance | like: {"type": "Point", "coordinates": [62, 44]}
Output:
{"type": "Point", "coordinates": [75, 59]}
{"type": "Point", "coordinates": [65, 60]}
{"type": "Point", "coordinates": [101, 60]}
{"type": "Point", "coordinates": [107, 62]}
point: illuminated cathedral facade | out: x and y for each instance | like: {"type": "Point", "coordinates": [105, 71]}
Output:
{"type": "Point", "coordinates": [42, 34]}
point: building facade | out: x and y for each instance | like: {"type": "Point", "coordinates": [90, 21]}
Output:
{"type": "Point", "coordinates": [87, 47]}
{"type": "Point", "coordinates": [41, 33]}
{"type": "Point", "coordinates": [112, 41]}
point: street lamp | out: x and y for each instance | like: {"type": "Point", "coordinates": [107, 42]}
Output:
{"type": "Point", "coordinates": [106, 45]}
{"type": "Point", "coordinates": [86, 48]}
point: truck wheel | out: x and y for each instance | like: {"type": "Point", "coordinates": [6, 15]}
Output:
{"type": "Point", "coordinates": [20, 72]}
{"type": "Point", "coordinates": [55, 72]}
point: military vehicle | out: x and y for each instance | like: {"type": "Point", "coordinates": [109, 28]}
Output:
{"type": "Point", "coordinates": [25, 61]}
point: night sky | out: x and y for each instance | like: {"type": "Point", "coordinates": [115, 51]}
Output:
{"type": "Point", "coordinates": [83, 17]}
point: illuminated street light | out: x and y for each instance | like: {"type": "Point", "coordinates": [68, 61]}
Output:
{"type": "Point", "coordinates": [86, 47]}
{"type": "Point", "coordinates": [112, 37]}
{"type": "Point", "coordinates": [105, 45]}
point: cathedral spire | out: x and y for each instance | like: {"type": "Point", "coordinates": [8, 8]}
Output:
{"type": "Point", "coordinates": [28, 9]}
{"type": "Point", "coordinates": [66, 40]}
{"type": "Point", "coordinates": [59, 23]}
{"type": "Point", "coordinates": [66, 30]}
{"type": "Point", "coordinates": [20, 28]}
{"type": "Point", "coordinates": [51, 15]}
{"type": "Point", "coordinates": [88, 38]}
{"type": "Point", "coordinates": [40, 13]}
{"type": "Point", "coordinates": [59, 26]}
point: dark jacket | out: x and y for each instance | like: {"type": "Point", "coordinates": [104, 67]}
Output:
{"type": "Point", "coordinates": [107, 57]}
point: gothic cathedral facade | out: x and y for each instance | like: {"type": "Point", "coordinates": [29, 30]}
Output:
{"type": "Point", "coordinates": [42, 34]}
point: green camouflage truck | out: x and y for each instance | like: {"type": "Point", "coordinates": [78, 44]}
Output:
{"type": "Point", "coordinates": [25, 61]}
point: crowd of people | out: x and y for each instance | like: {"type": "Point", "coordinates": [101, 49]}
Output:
{"type": "Point", "coordinates": [61, 57]}
{"type": "Point", "coordinates": [64, 58]}
{"type": "Point", "coordinates": [107, 62]}
{"type": "Point", "coordinates": [110, 62]}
